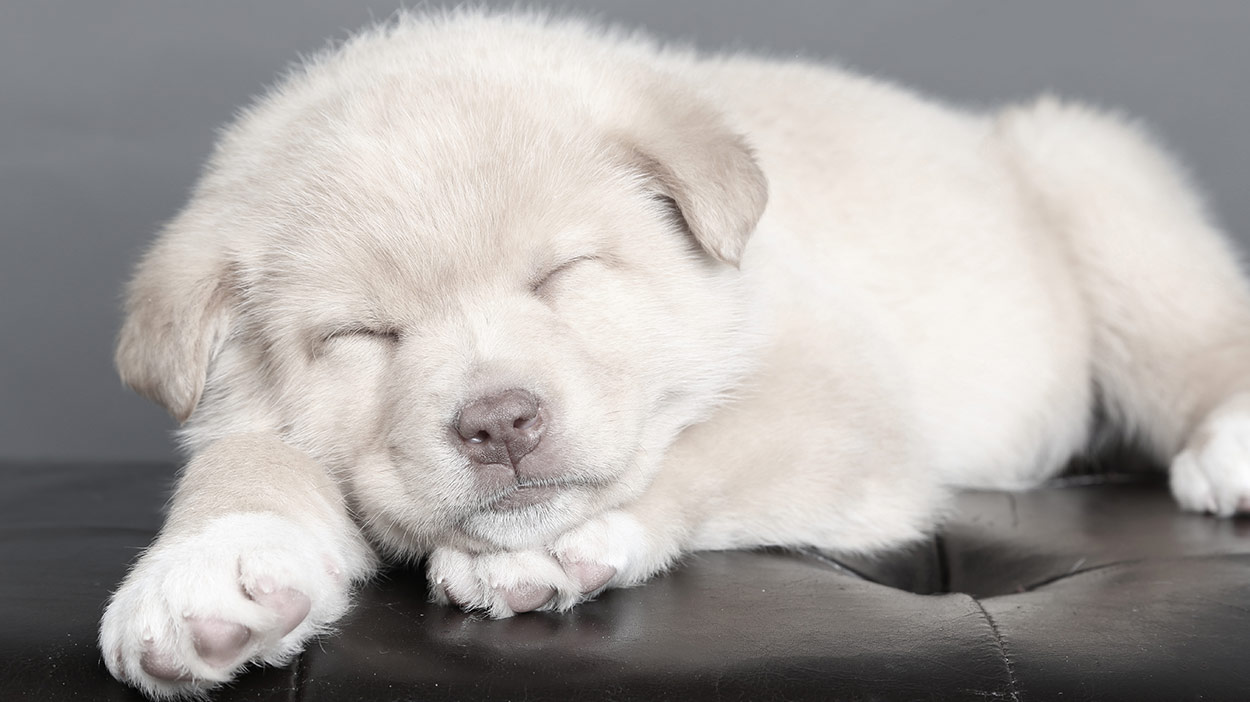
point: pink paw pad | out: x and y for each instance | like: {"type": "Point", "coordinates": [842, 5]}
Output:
{"type": "Point", "coordinates": [526, 597]}
{"type": "Point", "coordinates": [219, 643]}
{"type": "Point", "coordinates": [589, 576]}
{"type": "Point", "coordinates": [162, 666]}
{"type": "Point", "coordinates": [291, 606]}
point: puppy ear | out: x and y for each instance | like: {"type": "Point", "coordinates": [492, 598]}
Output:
{"type": "Point", "coordinates": [176, 317]}
{"type": "Point", "coordinates": [709, 172]}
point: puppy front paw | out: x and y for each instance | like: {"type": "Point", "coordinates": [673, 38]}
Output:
{"type": "Point", "coordinates": [500, 584]}
{"type": "Point", "coordinates": [247, 588]}
{"type": "Point", "coordinates": [609, 551]}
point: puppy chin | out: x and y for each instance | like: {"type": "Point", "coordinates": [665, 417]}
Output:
{"type": "Point", "coordinates": [521, 521]}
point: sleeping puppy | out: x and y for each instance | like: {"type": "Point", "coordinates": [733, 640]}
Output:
{"type": "Point", "coordinates": [505, 293]}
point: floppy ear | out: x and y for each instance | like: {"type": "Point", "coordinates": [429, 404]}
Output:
{"type": "Point", "coordinates": [709, 172]}
{"type": "Point", "coordinates": [176, 317]}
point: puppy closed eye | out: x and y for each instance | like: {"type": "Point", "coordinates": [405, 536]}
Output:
{"type": "Point", "coordinates": [545, 279]}
{"type": "Point", "coordinates": [389, 335]}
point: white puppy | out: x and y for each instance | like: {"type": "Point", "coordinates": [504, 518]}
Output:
{"type": "Point", "coordinates": [505, 292]}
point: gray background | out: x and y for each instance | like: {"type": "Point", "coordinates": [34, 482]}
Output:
{"type": "Point", "coordinates": [107, 109]}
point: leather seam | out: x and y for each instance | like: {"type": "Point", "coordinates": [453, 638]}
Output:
{"type": "Point", "coordinates": [298, 677]}
{"type": "Point", "coordinates": [1013, 691]}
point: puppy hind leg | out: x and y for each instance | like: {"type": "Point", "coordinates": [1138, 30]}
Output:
{"type": "Point", "coordinates": [1168, 305]}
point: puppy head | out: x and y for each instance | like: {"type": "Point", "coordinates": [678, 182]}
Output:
{"type": "Point", "coordinates": [485, 294]}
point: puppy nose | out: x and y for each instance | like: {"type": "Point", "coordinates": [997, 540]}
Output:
{"type": "Point", "coordinates": [500, 428]}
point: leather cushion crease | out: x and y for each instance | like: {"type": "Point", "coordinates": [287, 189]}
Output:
{"type": "Point", "coordinates": [1093, 587]}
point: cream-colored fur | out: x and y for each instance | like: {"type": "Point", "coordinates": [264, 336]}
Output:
{"type": "Point", "coordinates": [454, 206]}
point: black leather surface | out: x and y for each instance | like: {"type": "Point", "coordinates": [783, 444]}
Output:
{"type": "Point", "coordinates": [1092, 589]}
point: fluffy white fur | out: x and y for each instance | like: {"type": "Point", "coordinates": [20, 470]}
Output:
{"type": "Point", "coordinates": [452, 206]}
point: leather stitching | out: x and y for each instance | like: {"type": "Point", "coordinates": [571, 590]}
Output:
{"type": "Point", "coordinates": [1013, 692]}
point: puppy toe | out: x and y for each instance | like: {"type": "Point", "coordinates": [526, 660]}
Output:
{"type": "Point", "coordinates": [1190, 486]}
{"type": "Point", "coordinates": [1213, 473]}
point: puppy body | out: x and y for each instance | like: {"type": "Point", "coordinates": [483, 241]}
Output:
{"type": "Point", "coordinates": [451, 211]}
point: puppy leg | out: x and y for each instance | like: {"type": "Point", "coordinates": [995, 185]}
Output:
{"type": "Point", "coordinates": [1168, 306]}
{"type": "Point", "coordinates": [258, 554]}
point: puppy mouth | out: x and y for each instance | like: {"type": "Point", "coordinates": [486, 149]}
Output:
{"type": "Point", "coordinates": [528, 494]}
{"type": "Point", "coordinates": [523, 496]}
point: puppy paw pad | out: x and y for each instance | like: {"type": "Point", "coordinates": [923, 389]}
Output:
{"type": "Point", "coordinates": [526, 597]}
{"type": "Point", "coordinates": [219, 643]}
{"type": "Point", "coordinates": [291, 606]}
{"type": "Point", "coordinates": [163, 666]}
{"type": "Point", "coordinates": [589, 576]}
